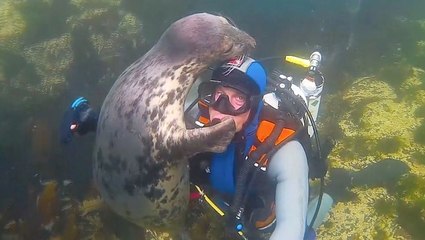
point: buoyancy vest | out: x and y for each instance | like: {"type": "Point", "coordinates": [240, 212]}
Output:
{"type": "Point", "coordinates": [222, 175]}
{"type": "Point", "coordinates": [222, 167]}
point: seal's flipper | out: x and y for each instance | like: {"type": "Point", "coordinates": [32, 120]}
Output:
{"type": "Point", "coordinates": [215, 138]}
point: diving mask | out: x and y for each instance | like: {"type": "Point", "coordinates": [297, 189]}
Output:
{"type": "Point", "coordinates": [230, 101]}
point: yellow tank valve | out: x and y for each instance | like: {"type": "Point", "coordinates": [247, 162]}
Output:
{"type": "Point", "coordinates": [297, 60]}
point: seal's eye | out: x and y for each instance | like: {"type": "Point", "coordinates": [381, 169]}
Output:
{"type": "Point", "coordinates": [228, 48]}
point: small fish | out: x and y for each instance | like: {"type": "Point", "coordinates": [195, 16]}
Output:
{"type": "Point", "coordinates": [49, 225]}
{"type": "Point", "coordinates": [66, 207]}
{"type": "Point", "coordinates": [10, 225]}
{"type": "Point", "coordinates": [66, 182]}
{"type": "Point", "coordinates": [47, 182]}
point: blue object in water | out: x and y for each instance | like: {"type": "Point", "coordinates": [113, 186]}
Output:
{"type": "Point", "coordinates": [79, 118]}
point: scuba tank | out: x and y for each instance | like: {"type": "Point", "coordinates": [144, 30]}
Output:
{"type": "Point", "coordinates": [312, 86]}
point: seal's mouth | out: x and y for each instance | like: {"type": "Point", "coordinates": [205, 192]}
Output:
{"type": "Point", "coordinates": [240, 49]}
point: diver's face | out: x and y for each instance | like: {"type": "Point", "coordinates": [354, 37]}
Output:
{"type": "Point", "coordinates": [237, 99]}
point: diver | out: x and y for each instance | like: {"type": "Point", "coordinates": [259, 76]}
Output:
{"type": "Point", "coordinates": [79, 119]}
{"type": "Point", "coordinates": [276, 200]}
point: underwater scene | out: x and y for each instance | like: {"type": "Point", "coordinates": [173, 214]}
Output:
{"type": "Point", "coordinates": [371, 118]}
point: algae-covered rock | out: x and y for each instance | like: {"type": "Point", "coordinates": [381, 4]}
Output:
{"type": "Point", "coordinates": [112, 33]}
{"type": "Point", "coordinates": [12, 25]}
{"type": "Point", "coordinates": [90, 4]}
{"type": "Point", "coordinates": [378, 121]}
{"type": "Point", "coordinates": [415, 44]}
{"type": "Point", "coordinates": [52, 60]}
{"type": "Point", "coordinates": [114, 37]}
{"type": "Point", "coordinates": [48, 47]}
{"type": "Point", "coordinates": [376, 124]}
{"type": "Point", "coordinates": [367, 89]}
{"type": "Point", "coordinates": [407, 206]}
{"type": "Point", "coordinates": [420, 45]}
{"type": "Point", "coordinates": [413, 88]}
{"type": "Point", "coordinates": [358, 219]}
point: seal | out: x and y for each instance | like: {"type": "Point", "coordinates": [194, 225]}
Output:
{"type": "Point", "coordinates": [142, 144]}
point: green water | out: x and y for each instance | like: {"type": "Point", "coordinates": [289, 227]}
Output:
{"type": "Point", "coordinates": [52, 51]}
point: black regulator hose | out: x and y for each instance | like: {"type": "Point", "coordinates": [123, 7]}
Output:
{"type": "Point", "coordinates": [248, 167]}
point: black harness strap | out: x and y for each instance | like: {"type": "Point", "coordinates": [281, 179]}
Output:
{"type": "Point", "coordinates": [242, 187]}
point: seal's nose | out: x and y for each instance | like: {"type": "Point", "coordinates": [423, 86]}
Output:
{"type": "Point", "coordinates": [251, 42]}
{"type": "Point", "coordinates": [248, 42]}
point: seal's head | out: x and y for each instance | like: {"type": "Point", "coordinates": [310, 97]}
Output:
{"type": "Point", "coordinates": [207, 37]}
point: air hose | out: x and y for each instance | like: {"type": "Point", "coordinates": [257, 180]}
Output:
{"type": "Point", "coordinates": [248, 166]}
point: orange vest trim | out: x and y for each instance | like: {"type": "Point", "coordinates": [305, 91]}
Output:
{"type": "Point", "coordinates": [269, 220]}
{"type": "Point", "coordinates": [203, 119]}
{"type": "Point", "coordinates": [265, 129]}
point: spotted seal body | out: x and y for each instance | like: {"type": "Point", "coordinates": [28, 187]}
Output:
{"type": "Point", "coordinates": [142, 144]}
